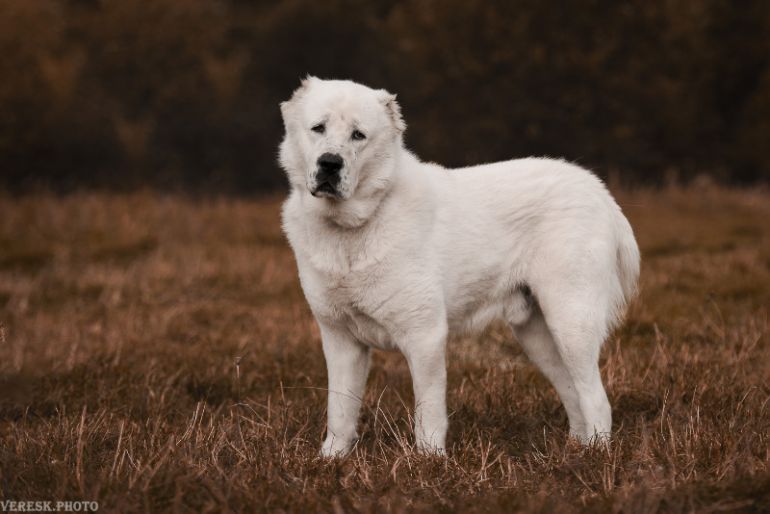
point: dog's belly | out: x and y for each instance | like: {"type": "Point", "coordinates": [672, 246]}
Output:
{"type": "Point", "coordinates": [514, 307]}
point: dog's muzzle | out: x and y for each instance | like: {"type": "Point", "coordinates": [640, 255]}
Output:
{"type": "Point", "coordinates": [328, 175]}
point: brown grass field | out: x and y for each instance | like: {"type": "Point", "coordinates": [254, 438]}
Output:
{"type": "Point", "coordinates": [158, 355]}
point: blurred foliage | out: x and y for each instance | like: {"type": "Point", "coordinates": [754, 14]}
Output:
{"type": "Point", "coordinates": [185, 93]}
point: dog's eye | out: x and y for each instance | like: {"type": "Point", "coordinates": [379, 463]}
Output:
{"type": "Point", "coordinates": [320, 128]}
{"type": "Point", "coordinates": [357, 135]}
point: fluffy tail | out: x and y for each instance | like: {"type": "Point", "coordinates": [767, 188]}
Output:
{"type": "Point", "coordinates": [628, 259]}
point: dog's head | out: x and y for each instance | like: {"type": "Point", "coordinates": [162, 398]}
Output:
{"type": "Point", "coordinates": [339, 135]}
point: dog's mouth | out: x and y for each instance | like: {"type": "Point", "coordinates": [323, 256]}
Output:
{"type": "Point", "coordinates": [325, 190]}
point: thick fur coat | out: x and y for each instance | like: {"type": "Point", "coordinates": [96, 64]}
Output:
{"type": "Point", "coordinates": [394, 253]}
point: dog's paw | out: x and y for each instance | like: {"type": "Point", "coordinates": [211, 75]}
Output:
{"type": "Point", "coordinates": [336, 448]}
{"type": "Point", "coordinates": [426, 448]}
{"type": "Point", "coordinates": [593, 439]}
{"type": "Point", "coordinates": [431, 439]}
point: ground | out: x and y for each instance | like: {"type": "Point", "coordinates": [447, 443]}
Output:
{"type": "Point", "coordinates": [157, 355]}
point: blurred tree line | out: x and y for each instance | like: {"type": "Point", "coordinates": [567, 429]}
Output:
{"type": "Point", "coordinates": [185, 93]}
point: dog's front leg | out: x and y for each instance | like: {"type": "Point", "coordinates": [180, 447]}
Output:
{"type": "Point", "coordinates": [347, 364]}
{"type": "Point", "coordinates": [425, 354]}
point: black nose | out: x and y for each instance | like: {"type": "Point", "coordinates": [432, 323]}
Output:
{"type": "Point", "coordinates": [329, 166]}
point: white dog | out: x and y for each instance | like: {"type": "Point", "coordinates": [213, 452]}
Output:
{"type": "Point", "coordinates": [394, 253]}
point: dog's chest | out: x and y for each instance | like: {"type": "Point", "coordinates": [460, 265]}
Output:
{"type": "Point", "coordinates": [350, 282]}
{"type": "Point", "coordinates": [352, 299]}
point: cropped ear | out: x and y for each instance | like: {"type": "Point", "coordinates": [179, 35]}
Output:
{"type": "Point", "coordinates": [393, 110]}
{"type": "Point", "coordinates": [287, 106]}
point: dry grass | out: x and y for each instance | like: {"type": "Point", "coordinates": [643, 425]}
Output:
{"type": "Point", "coordinates": [157, 354]}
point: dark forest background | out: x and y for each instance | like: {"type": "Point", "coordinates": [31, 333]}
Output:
{"type": "Point", "coordinates": [183, 94]}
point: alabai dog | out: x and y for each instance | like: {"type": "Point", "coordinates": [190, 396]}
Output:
{"type": "Point", "coordinates": [394, 253]}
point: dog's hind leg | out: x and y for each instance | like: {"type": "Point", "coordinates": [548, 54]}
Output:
{"type": "Point", "coordinates": [578, 321]}
{"type": "Point", "coordinates": [538, 343]}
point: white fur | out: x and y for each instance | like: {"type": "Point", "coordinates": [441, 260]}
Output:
{"type": "Point", "coordinates": [411, 251]}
